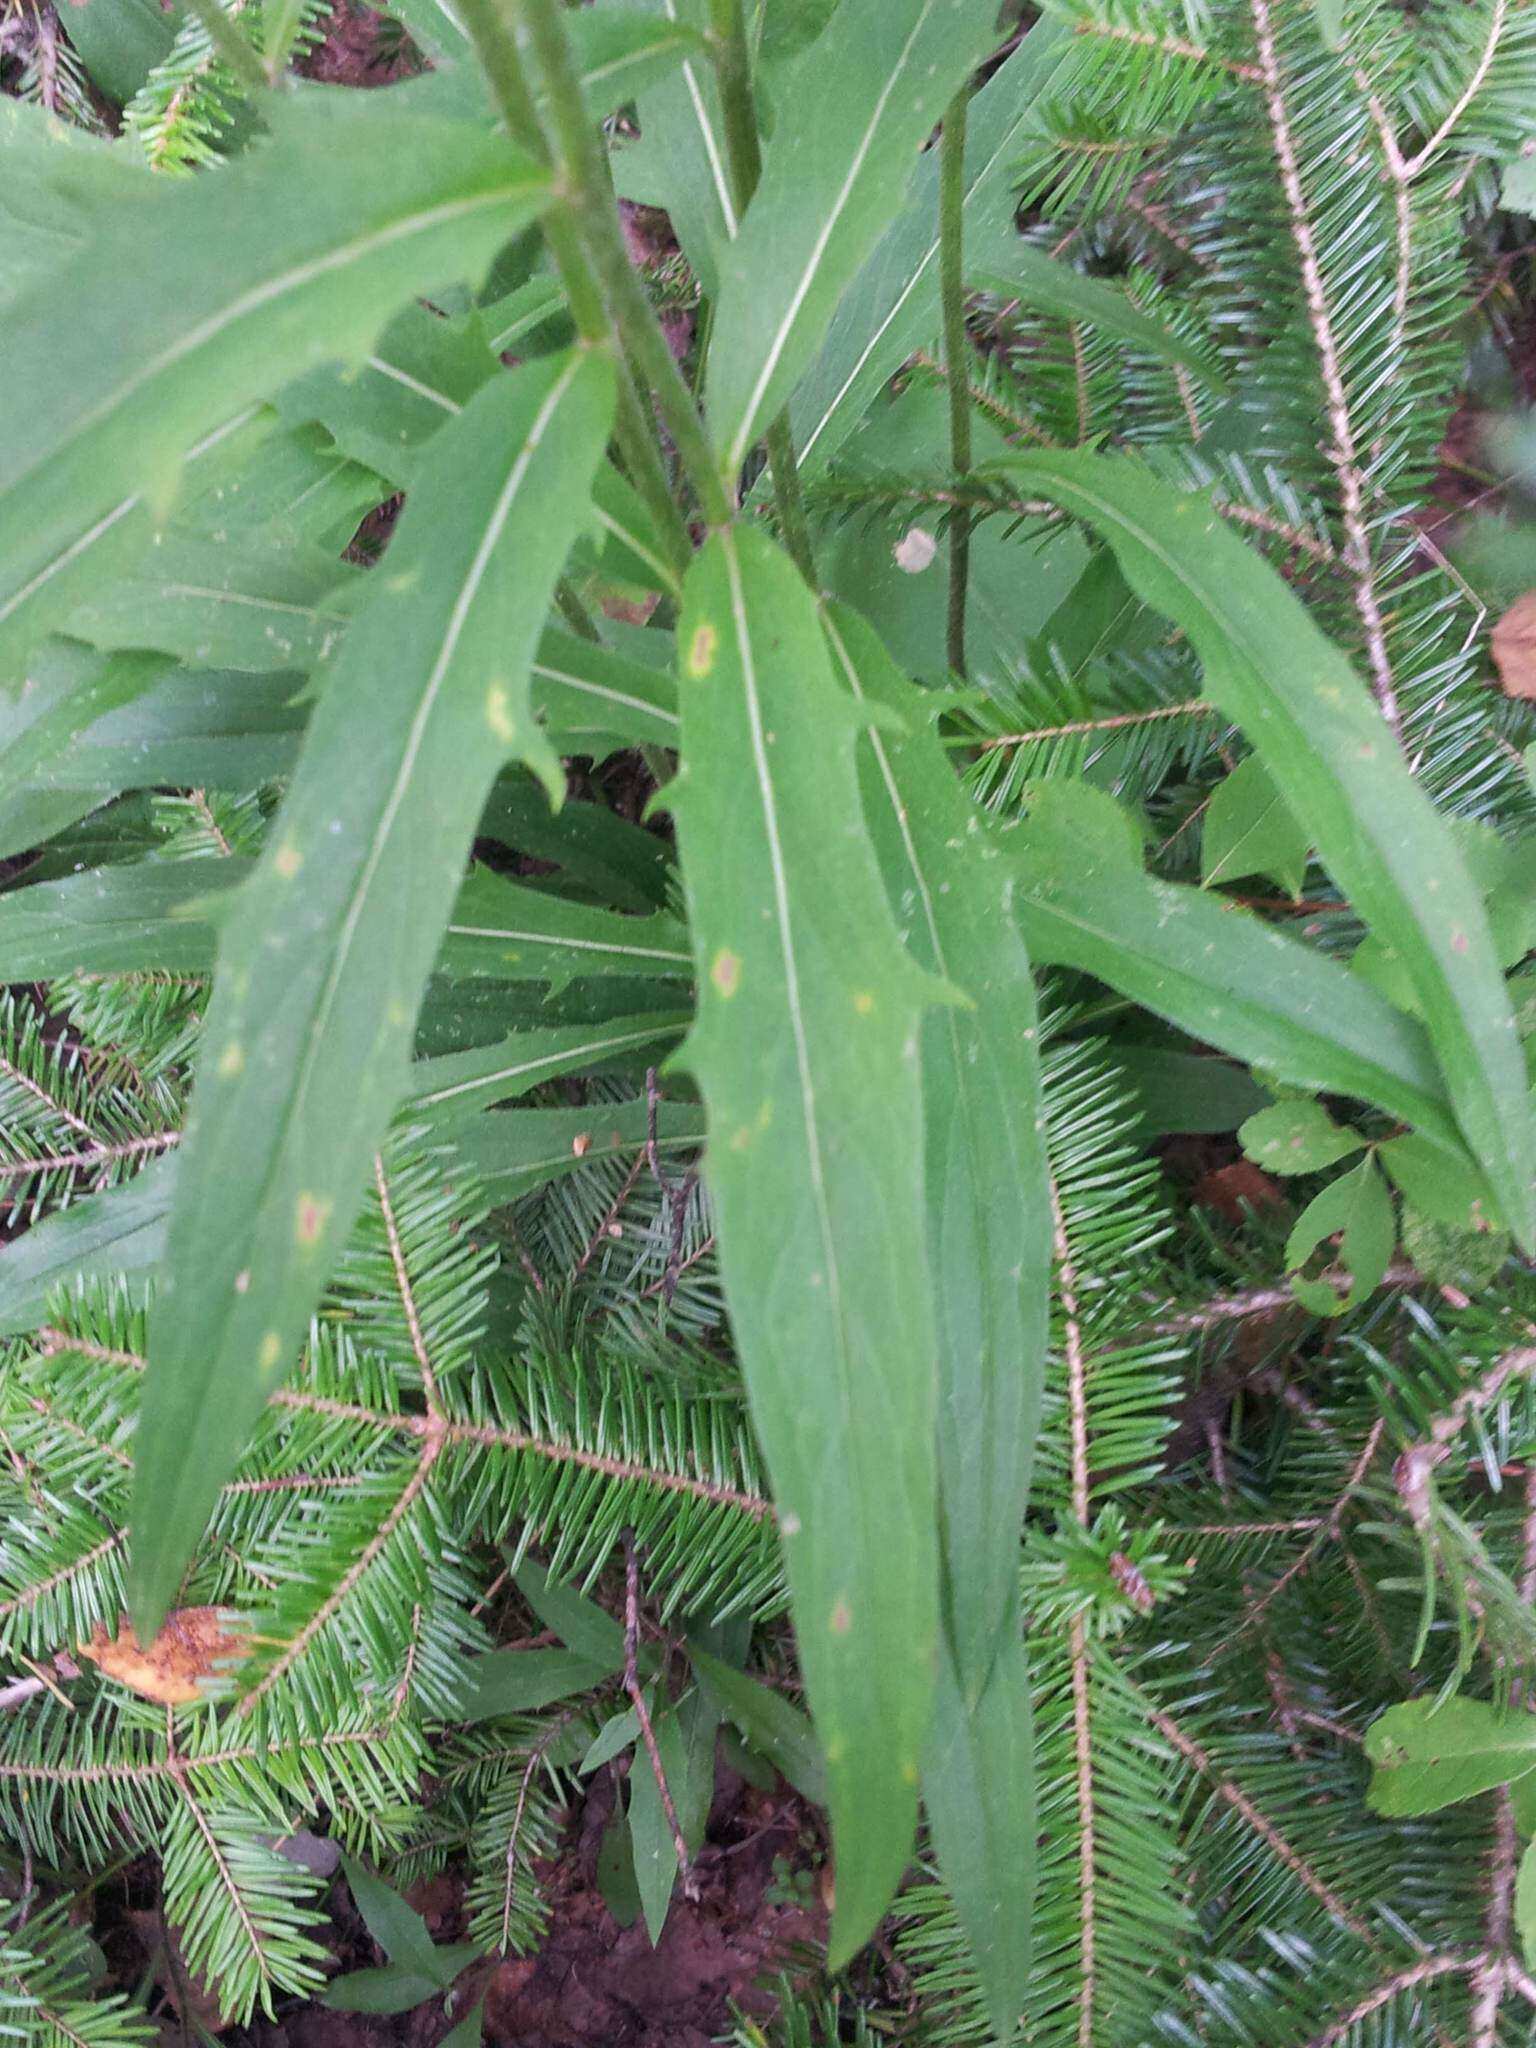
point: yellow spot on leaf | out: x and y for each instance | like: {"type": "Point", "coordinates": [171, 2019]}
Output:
{"type": "Point", "coordinates": [287, 861]}
{"type": "Point", "coordinates": [701, 650]}
{"type": "Point", "coordinates": [842, 1618]}
{"type": "Point", "coordinates": [312, 1215]}
{"type": "Point", "coordinates": [864, 1002]}
{"type": "Point", "coordinates": [231, 1060]}
{"type": "Point", "coordinates": [498, 714]}
{"type": "Point", "coordinates": [725, 973]}
{"type": "Point", "coordinates": [270, 1356]}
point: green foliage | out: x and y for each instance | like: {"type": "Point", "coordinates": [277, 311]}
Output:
{"type": "Point", "coordinates": [563, 1075]}
{"type": "Point", "coordinates": [806, 1052]}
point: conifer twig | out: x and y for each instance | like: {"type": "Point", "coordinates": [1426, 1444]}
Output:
{"type": "Point", "coordinates": [636, 1694]}
{"type": "Point", "coordinates": [1342, 453]}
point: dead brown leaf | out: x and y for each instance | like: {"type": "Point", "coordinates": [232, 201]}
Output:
{"type": "Point", "coordinates": [194, 1645]}
{"type": "Point", "coordinates": [1514, 647]}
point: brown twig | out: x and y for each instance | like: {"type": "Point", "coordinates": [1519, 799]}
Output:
{"type": "Point", "coordinates": [677, 1193]}
{"type": "Point", "coordinates": [1327, 1531]}
{"type": "Point", "coordinates": [1423, 1972]}
{"type": "Point", "coordinates": [1342, 454]}
{"type": "Point", "coordinates": [643, 1715]}
{"type": "Point", "coordinates": [1195, 707]}
{"type": "Point", "coordinates": [1200, 1759]}
{"type": "Point", "coordinates": [606, 1228]}
{"type": "Point", "coordinates": [99, 1155]}
{"type": "Point", "coordinates": [1258, 1301]}
{"type": "Point", "coordinates": [1416, 1466]}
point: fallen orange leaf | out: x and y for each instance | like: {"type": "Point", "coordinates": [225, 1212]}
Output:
{"type": "Point", "coordinates": [194, 1645]}
{"type": "Point", "coordinates": [1514, 647]}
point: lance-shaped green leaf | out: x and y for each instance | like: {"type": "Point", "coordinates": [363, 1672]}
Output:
{"type": "Point", "coordinates": [155, 918]}
{"type": "Point", "coordinates": [263, 605]}
{"type": "Point", "coordinates": [106, 723]}
{"type": "Point", "coordinates": [458, 1085]}
{"type": "Point", "coordinates": [682, 161]}
{"type": "Point", "coordinates": [598, 853]}
{"type": "Point", "coordinates": [1312, 724]}
{"type": "Point", "coordinates": [775, 1729]}
{"type": "Point", "coordinates": [587, 695]}
{"type": "Point", "coordinates": [979, 1791]}
{"type": "Point", "coordinates": [515, 1150]}
{"type": "Point", "coordinates": [857, 107]}
{"type": "Point", "coordinates": [630, 551]}
{"type": "Point", "coordinates": [161, 918]}
{"type": "Point", "coordinates": [1046, 283]}
{"type": "Point", "coordinates": [326, 954]}
{"type": "Point", "coordinates": [56, 182]}
{"type": "Point", "coordinates": [294, 480]}
{"type": "Point", "coordinates": [620, 57]}
{"type": "Point", "coordinates": [189, 729]}
{"type": "Point", "coordinates": [67, 688]}
{"type": "Point", "coordinates": [892, 306]}
{"type": "Point", "coordinates": [383, 411]}
{"type": "Point", "coordinates": [989, 1229]}
{"type": "Point", "coordinates": [210, 292]}
{"type": "Point", "coordinates": [121, 1230]}
{"type": "Point", "coordinates": [1229, 980]}
{"type": "Point", "coordinates": [989, 1214]}
{"type": "Point", "coordinates": [507, 931]}
{"type": "Point", "coordinates": [810, 1016]}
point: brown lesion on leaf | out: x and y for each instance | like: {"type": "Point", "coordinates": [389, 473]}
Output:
{"type": "Point", "coordinates": [194, 1646]}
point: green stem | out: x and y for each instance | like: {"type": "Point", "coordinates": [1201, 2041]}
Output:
{"type": "Point", "coordinates": [788, 501]}
{"type": "Point", "coordinates": [956, 354]}
{"type": "Point", "coordinates": [582, 169]}
{"type": "Point", "coordinates": [733, 69]}
{"type": "Point", "coordinates": [497, 50]}
{"type": "Point", "coordinates": [574, 612]}
{"type": "Point", "coordinates": [744, 163]}
{"type": "Point", "coordinates": [232, 48]}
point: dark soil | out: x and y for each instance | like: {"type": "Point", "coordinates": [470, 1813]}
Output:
{"type": "Point", "coordinates": [759, 1915]}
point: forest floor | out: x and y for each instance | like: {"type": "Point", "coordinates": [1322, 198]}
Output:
{"type": "Point", "coordinates": [759, 1913]}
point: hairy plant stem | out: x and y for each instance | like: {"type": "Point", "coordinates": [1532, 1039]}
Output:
{"type": "Point", "coordinates": [497, 50]}
{"type": "Point", "coordinates": [744, 165]}
{"type": "Point", "coordinates": [956, 350]}
{"type": "Point", "coordinates": [581, 167]}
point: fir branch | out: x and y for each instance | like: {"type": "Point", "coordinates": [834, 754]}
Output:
{"type": "Point", "coordinates": [1342, 453]}
{"type": "Point", "coordinates": [1251, 1815]}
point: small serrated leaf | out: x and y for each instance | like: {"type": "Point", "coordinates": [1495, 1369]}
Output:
{"type": "Point", "coordinates": [1426, 1754]}
{"type": "Point", "coordinates": [1358, 1210]}
{"type": "Point", "coordinates": [1296, 1137]}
